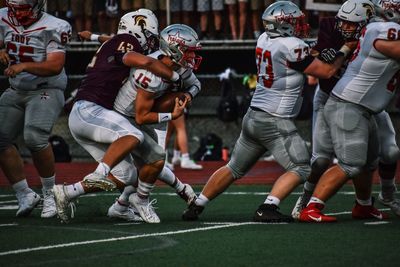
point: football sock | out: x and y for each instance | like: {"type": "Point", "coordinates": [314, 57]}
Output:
{"type": "Point", "coordinates": [309, 186]}
{"type": "Point", "coordinates": [387, 182]}
{"type": "Point", "coordinates": [144, 189]}
{"type": "Point", "coordinates": [185, 156]}
{"type": "Point", "coordinates": [367, 202]}
{"type": "Point", "coordinates": [21, 187]}
{"type": "Point", "coordinates": [272, 200]}
{"type": "Point", "coordinates": [48, 182]}
{"type": "Point", "coordinates": [124, 197]}
{"type": "Point", "coordinates": [103, 169]}
{"type": "Point", "coordinates": [167, 176]}
{"type": "Point", "coordinates": [74, 190]}
{"type": "Point", "coordinates": [177, 153]}
{"type": "Point", "coordinates": [315, 200]}
{"type": "Point", "coordinates": [202, 200]}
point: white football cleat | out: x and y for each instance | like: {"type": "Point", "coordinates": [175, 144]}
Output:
{"type": "Point", "coordinates": [387, 198]}
{"type": "Point", "coordinates": [190, 164]}
{"type": "Point", "coordinates": [26, 203]}
{"type": "Point", "coordinates": [97, 180]}
{"type": "Point", "coordinates": [49, 209]}
{"type": "Point", "coordinates": [145, 208]}
{"type": "Point", "coordinates": [128, 214]}
{"type": "Point", "coordinates": [187, 194]}
{"type": "Point", "coordinates": [301, 203]}
{"type": "Point", "coordinates": [63, 203]}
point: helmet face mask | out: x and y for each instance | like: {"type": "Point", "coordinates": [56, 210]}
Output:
{"type": "Point", "coordinates": [180, 43]}
{"type": "Point", "coordinates": [142, 24]}
{"type": "Point", "coordinates": [285, 19]}
{"type": "Point", "coordinates": [389, 10]}
{"type": "Point", "coordinates": [24, 12]}
{"type": "Point", "coordinates": [352, 16]}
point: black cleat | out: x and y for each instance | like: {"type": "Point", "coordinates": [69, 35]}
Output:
{"type": "Point", "coordinates": [192, 212]}
{"type": "Point", "coordinates": [268, 213]}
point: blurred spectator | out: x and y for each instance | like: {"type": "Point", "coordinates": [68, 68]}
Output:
{"type": "Point", "coordinates": [182, 11]}
{"type": "Point", "coordinates": [107, 16]}
{"type": "Point", "coordinates": [130, 5]}
{"type": "Point", "coordinates": [204, 7]}
{"type": "Point", "coordinates": [232, 10]}
{"type": "Point", "coordinates": [82, 12]}
{"type": "Point", "coordinates": [181, 151]}
{"type": "Point", "coordinates": [256, 6]}
{"type": "Point", "coordinates": [58, 8]}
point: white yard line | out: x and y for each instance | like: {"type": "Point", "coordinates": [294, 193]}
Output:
{"type": "Point", "coordinates": [73, 244]}
{"type": "Point", "coordinates": [376, 223]}
{"type": "Point", "coordinates": [8, 224]}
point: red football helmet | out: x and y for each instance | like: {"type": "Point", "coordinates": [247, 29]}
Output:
{"type": "Point", "coordinates": [24, 12]}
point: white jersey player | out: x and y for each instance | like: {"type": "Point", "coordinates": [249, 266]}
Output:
{"type": "Point", "coordinates": [281, 59]}
{"type": "Point", "coordinates": [136, 98]}
{"type": "Point", "coordinates": [34, 43]}
{"type": "Point", "coordinates": [364, 90]}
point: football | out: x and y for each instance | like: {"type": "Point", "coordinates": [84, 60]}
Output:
{"type": "Point", "coordinates": [166, 102]}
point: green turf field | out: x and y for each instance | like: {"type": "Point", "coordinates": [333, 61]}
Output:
{"type": "Point", "coordinates": [225, 235]}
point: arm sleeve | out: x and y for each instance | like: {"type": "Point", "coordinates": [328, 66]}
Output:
{"type": "Point", "coordinates": [191, 83]}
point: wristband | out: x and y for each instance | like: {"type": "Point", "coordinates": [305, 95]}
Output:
{"type": "Point", "coordinates": [164, 117]}
{"type": "Point", "coordinates": [175, 76]}
{"type": "Point", "coordinates": [94, 37]}
{"type": "Point", "coordinates": [345, 50]}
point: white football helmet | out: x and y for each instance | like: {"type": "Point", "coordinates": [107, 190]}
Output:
{"type": "Point", "coordinates": [142, 24]}
{"type": "Point", "coordinates": [388, 9]}
{"type": "Point", "coordinates": [180, 42]}
{"type": "Point", "coordinates": [284, 18]}
{"type": "Point", "coordinates": [357, 12]}
{"type": "Point", "coordinates": [24, 12]}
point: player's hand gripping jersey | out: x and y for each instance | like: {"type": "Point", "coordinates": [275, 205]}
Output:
{"type": "Point", "coordinates": [32, 44]}
{"type": "Point", "coordinates": [279, 88]}
{"type": "Point", "coordinates": [371, 78]}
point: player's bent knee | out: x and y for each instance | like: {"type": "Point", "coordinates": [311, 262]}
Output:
{"type": "Point", "coordinates": [303, 171]}
{"type": "Point", "coordinates": [351, 171]}
{"type": "Point", "coordinates": [390, 154]}
{"type": "Point", "coordinates": [236, 174]}
{"type": "Point", "coordinates": [320, 165]}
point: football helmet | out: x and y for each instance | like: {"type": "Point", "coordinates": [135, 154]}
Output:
{"type": "Point", "coordinates": [180, 43]}
{"type": "Point", "coordinates": [388, 9]}
{"type": "Point", "coordinates": [142, 24]}
{"type": "Point", "coordinates": [356, 13]}
{"type": "Point", "coordinates": [24, 12]}
{"type": "Point", "coordinates": [284, 18]}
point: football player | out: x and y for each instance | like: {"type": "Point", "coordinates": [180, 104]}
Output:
{"type": "Point", "coordinates": [365, 89]}
{"type": "Point", "coordinates": [352, 17]}
{"type": "Point", "coordinates": [281, 59]}
{"type": "Point", "coordinates": [178, 46]}
{"type": "Point", "coordinates": [34, 53]}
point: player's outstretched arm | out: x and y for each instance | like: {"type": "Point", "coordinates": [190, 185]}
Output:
{"type": "Point", "coordinates": [53, 65]}
{"type": "Point", "coordinates": [89, 36]}
{"type": "Point", "coordinates": [389, 48]}
{"type": "Point", "coordinates": [137, 60]}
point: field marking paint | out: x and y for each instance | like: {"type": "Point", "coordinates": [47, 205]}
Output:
{"type": "Point", "coordinates": [8, 201]}
{"type": "Point", "coordinates": [8, 224]}
{"type": "Point", "coordinates": [72, 244]}
{"type": "Point", "coordinates": [348, 212]}
{"type": "Point", "coordinates": [376, 223]}
{"type": "Point", "coordinates": [9, 207]}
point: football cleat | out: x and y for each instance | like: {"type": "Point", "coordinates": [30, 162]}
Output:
{"type": "Point", "coordinates": [26, 203]}
{"type": "Point", "coordinates": [49, 209]}
{"type": "Point", "coordinates": [128, 214]}
{"type": "Point", "coordinates": [63, 203]}
{"type": "Point", "coordinates": [367, 212]}
{"type": "Point", "coordinates": [145, 208]}
{"type": "Point", "coordinates": [97, 180]}
{"type": "Point", "coordinates": [387, 198]}
{"type": "Point", "coordinates": [192, 212]}
{"type": "Point", "coordinates": [268, 213]}
{"type": "Point", "coordinates": [301, 203]}
{"type": "Point", "coordinates": [312, 213]}
{"type": "Point", "coordinates": [190, 164]}
{"type": "Point", "coordinates": [187, 194]}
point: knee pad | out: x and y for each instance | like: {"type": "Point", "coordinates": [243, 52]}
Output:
{"type": "Point", "coordinates": [390, 154]}
{"type": "Point", "coordinates": [319, 166]}
{"type": "Point", "coordinates": [4, 143]}
{"type": "Point", "coordinates": [236, 174]}
{"type": "Point", "coordinates": [35, 141]}
{"type": "Point", "coordinates": [303, 171]}
{"type": "Point", "coordinates": [351, 171]}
